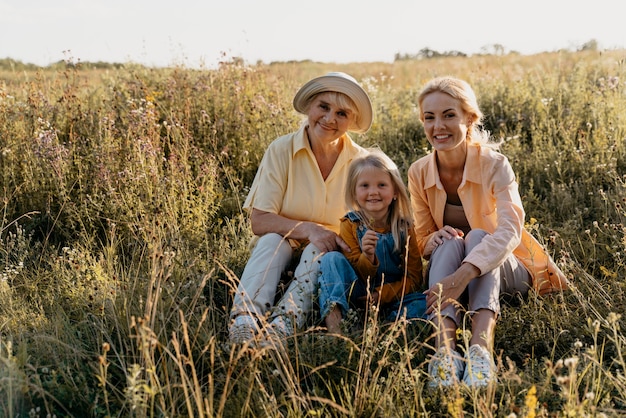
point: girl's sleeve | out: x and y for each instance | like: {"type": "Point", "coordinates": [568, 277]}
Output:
{"type": "Point", "coordinates": [414, 264]}
{"type": "Point", "coordinates": [363, 267]}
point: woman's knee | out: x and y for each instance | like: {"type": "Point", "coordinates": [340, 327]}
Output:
{"type": "Point", "coordinates": [474, 237]}
{"type": "Point", "coordinates": [310, 260]}
{"type": "Point", "coordinates": [276, 243]}
{"type": "Point", "coordinates": [270, 255]}
{"type": "Point", "coordinates": [454, 245]}
{"type": "Point", "coordinates": [446, 259]}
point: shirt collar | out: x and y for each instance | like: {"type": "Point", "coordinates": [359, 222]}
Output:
{"type": "Point", "coordinates": [301, 142]}
{"type": "Point", "coordinates": [471, 171]}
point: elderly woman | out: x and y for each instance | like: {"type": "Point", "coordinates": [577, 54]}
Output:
{"type": "Point", "coordinates": [469, 223]}
{"type": "Point", "coordinates": [295, 203]}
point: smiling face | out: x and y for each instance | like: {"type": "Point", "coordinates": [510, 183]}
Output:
{"type": "Point", "coordinates": [327, 120]}
{"type": "Point", "coordinates": [445, 122]}
{"type": "Point", "coordinates": [375, 191]}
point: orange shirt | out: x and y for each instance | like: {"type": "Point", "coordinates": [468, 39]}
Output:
{"type": "Point", "coordinates": [490, 197]}
{"type": "Point", "coordinates": [412, 265]}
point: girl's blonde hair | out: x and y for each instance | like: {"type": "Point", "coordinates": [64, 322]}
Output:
{"type": "Point", "coordinates": [463, 92]}
{"type": "Point", "coordinates": [400, 215]}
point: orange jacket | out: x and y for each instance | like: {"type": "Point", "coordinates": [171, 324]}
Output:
{"type": "Point", "coordinates": [491, 201]}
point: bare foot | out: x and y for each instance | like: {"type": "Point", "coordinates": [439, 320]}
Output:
{"type": "Point", "coordinates": [333, 321]}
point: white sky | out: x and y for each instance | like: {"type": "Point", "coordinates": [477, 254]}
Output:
{"type": "Point", "coordinates": [197, 32]}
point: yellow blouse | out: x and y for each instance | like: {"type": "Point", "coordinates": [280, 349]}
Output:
{"type": "Point", "coordinates": [288, 181]}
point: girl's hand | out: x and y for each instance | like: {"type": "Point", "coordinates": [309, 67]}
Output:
{"type": "Point", "coordinates": [368, 245]}
{"type": "Point", "coordinates": [373, 299]}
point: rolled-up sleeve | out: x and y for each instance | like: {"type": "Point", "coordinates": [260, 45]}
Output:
{"type": "Point", "coordinates": [501, 214]}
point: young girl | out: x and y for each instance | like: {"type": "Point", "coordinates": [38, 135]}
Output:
{"type": "Point", "coordinates": [383, 265]}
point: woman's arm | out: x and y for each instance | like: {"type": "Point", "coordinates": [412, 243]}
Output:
{"type": "Point", "coordinates": [502, 214]}
{"type": "Point", "coordinates": [424, 224]}
{"type": "Point", "coordinates": [323, 238]}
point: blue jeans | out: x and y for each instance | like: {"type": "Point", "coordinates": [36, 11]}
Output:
{"type": "Point", "coordinates": [340, 286]}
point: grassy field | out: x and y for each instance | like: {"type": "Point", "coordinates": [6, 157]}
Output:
{"type": "Point", "coordinates": [122, 237]}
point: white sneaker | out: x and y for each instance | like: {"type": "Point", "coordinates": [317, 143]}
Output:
{"type": "Point", "coordinates": [480, 368]}
{"type": "Point", "coordinates": [243, 329]}
{"type": "Point", "coordinates": [276, 332]}
{"type": "Point", "coordinates": [445, 368]}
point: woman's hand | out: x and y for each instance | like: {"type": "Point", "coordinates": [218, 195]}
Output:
{"type": "Point", "coordinates": [325, 240]}
{"type": "Point", "coordinates": [443, 294]}
{"type": "Point", "coordinates": [437, 238]}
{"type": "Point", "coordinates": [368, 245]}
{"type": "Point", "coordinates": [449, 289]}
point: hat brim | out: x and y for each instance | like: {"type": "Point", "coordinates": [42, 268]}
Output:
{"type": "Point", "coordinates": [342, 83]}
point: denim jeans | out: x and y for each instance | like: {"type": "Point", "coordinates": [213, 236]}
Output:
{"type": "Point", "coordinates": [340, 286]}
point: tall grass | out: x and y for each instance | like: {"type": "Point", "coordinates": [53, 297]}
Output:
{"type": "Point", "coordinates": [122, 238]}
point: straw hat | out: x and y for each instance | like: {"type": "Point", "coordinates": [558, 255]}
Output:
{"type": "Point", "coordinates": [342, 83]}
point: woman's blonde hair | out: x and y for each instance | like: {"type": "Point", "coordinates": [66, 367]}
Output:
{"type": "Point", "coordinates": [400, 215]}
{"type": "Point", "coordinates": [463, 92]}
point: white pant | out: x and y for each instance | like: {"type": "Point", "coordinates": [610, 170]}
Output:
{"type": "Point", "coordinates": [259, 282]}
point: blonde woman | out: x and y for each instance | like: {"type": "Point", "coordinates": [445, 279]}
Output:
{"type": "Point", "coordinates": [469, 223]}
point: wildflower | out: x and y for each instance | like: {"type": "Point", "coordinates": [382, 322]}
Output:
{"type": "Point", "coordinates": [571, 362]}
{"type": "Point", "coordinates": [563, 380]}
{"type": "Point", "coordinates": [596, 324]}
{"type": "Point", "coordinates": [531, 401]}
{"type": "Point", "coordinates": [613, 318]}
